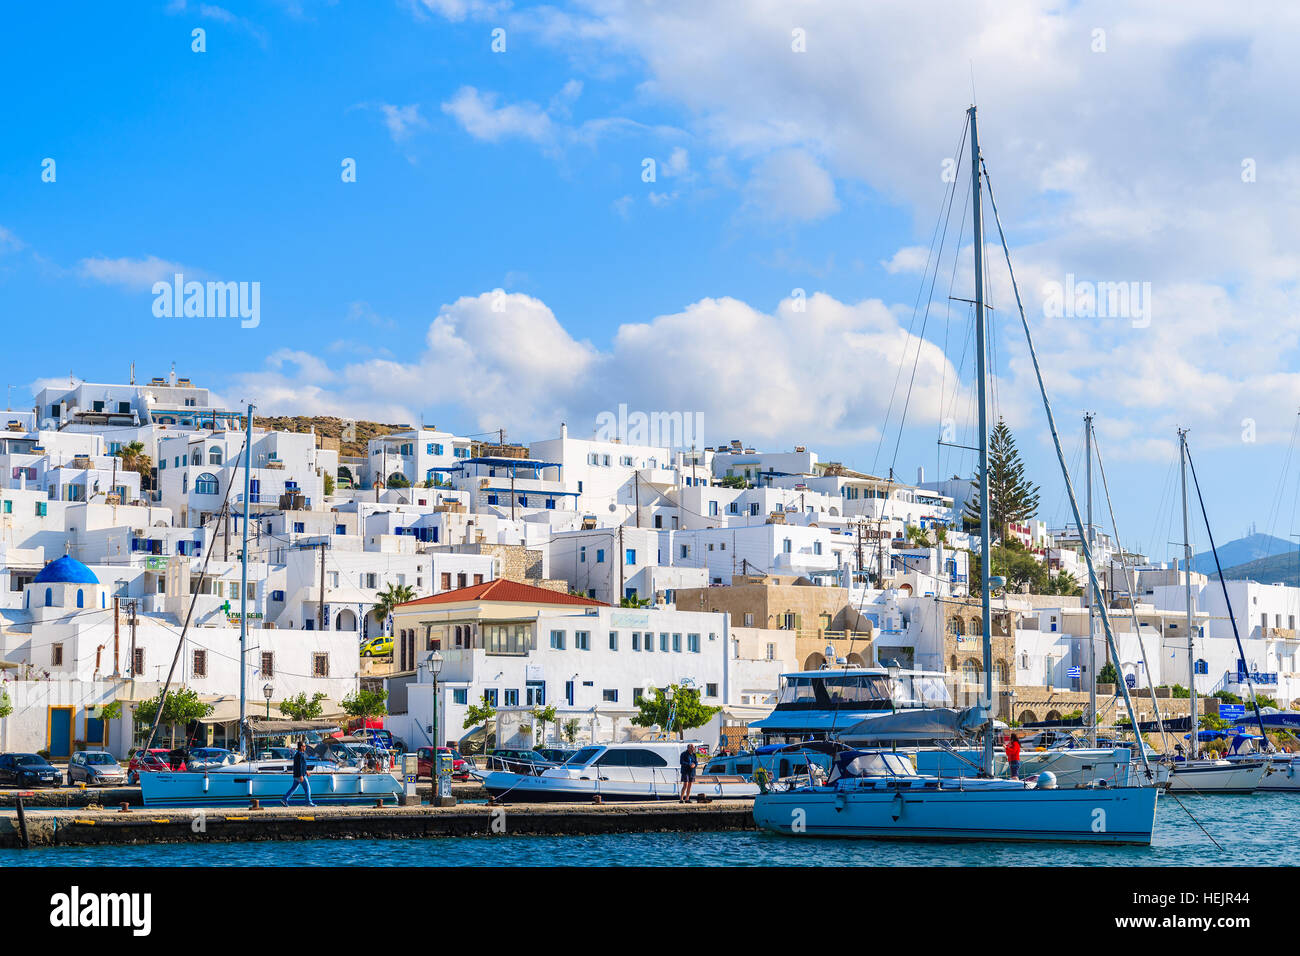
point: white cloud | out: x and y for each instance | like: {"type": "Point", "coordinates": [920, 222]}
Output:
{"type": "Point", "coordinates": [483, 119]}
{"type": "Point", "coordinates": [132, 273]}
{"type": "Point", "coordinates": [402, 120]}
{"type": "Point", "coordinates": [790, 186]}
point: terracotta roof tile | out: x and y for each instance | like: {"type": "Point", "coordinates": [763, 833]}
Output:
{"type": "Point", "coordinates": [511, 592]}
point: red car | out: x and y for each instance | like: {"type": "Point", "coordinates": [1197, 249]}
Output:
{"type": "Point", "coordinates": [141, 762]}
{"type": "Point", "coordinates": [459, 766]}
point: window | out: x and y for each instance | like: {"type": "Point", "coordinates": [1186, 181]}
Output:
{"type": "Point", "coordinates": [460, 695]}
{"type": "Point", "coordinates": [370, 580]}
{"type": "Point", "coordinates": [268, 663]}
{"type": "Point", "coordinates": [56, 655]}
{"type": "Point", "coordinates": [582, 555]}
{"type": "Point", "coordinates": [677, 643]}
{"type": "Point", "coordinates": [320, 664]}
{"type": "Point", "coordinates": [663, 642]}
{"type": "Point", "coordinates": [786, 546]}
{"type": "Point", "coordinates": [508, 640]}
{"type": "Point", "coordinates": [568, 692]}
{"type": "Point", "coordinates": [817, 547]}
{"type": "Point", "coordinates": [478, 579]}
{"type": "Point", "coordinates": [536, 693]}
{"type": "Point", "coordinates": [600, 555]}
{"type": "Point", "coordinates": [636, 640]}
{"type": "Point", "coordinates": [491, 696]}
{"type": "Point", "coordinates": [753, 508]}
{"type": "Point", "coordinates": [41, 509]}
{"type": "Point", "coordinates": [557, 640]}
{"type": "Point", "coordinates": [693, 643]}
{"type": "Point", "coordinates": [137, 662]}
{"type": "Point", "coordinates": [214, 456]}
{"type": "Point", "coordinates": [512, 698]}
{"type": "Point", "coordinates": [638, 693]}
{"type": "Point", "coordinates": [710, 690]}
{"type": "Point", "coordinates": [613, 640]}
{"type": "Point", "coordinates": [609, 696]}
{"type": "Point", "coordinates": [462, 580]}
{"type": "Point", "coordinates": [713, 508]}
{"type": "Point", "coordinates": [771, 652]}
{"type": "Point", "coordinates": [631, 556]}
{"type": "Point", "coordinates": [749, 619]}
{"type": "Point", "coordinates": [733, 508]}
{"type": "Point", "coordinates": [446, 581]}
{"type": "Point", "coordinates": [200, 668]}
{"type": "Point", "coordinates": [686, 551]}
{"type": "Point", "coordinates": [582, 640]}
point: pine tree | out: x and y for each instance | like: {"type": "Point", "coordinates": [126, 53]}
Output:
{"type": "Point", "coordinates": [1012, 498]}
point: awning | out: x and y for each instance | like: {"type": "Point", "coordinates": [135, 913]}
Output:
{"type": "Point", "coordinates": [260, 728]}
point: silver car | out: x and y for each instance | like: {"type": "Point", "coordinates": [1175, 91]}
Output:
{"type": "Point", "coordinates": [95, 768]}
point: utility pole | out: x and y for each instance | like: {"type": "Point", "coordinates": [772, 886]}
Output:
{"type": "Point", "coordinates": [116, 631]}
{"type": "Point", "coordinates": [636, 484]}
{"type": "Point", "coordinates": [622, 562]}
{"type": "Point", "coordinates": [1092, 596]}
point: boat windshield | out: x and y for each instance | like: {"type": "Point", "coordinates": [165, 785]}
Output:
{"type": "Point", "coordinates": [583, 757]}
{"type": "Point", "coordinates": [833, 689]}
{"type": "Point", "coordinates": [873, 764]}
{"type": "Point", "coordinates": [927, 689]}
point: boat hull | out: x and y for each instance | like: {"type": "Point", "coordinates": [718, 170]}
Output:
{"type": "Point", "coordinates": [1218, 777]}
{"type": "Point", "coordinates": [179, 789]}
{"type": "Point", "coordinates": [1106, 816]}
{"type": "Point", "coordinates": [1282, 775]}
{"type": "Point", "coordinates": [525, 788]}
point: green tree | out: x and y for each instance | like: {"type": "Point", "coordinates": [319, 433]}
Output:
{"type": "Point", "coordinates": [689, 712]}
{"type": "Point", "coordinates": [541, 717]}
{"type": "Point", "coordinates": [1108, 674]}
{"type": "Point", "coordinates": [329, 485]}
{"type": "Point", "coordinates": [111, 711]}
{"type": "Point", "coordinates": [1019, 567]}
{"type": "Point", "coordinates": [181, 708]}
{"type": "Point", "coordinates": [1063, 583]}
{"type": "Point", "coordinates": [300, 708]}
{"type": "Point", "coordinates": [6, 705]}
{"type": "Point", "coordinates": [571, 728]}
{"type": "Point", "coordinates": [134, 459]}
{"type": "Point", "coordinates": [917, 536]}
{"type": "Point", "coordinates": [1012, 497]}
{"type": "Point", "coordinates": [634, 601]}
{"type": "Point", "coordinates": [733, 481]}
{"type": "Point", "coordinates": [480, 713]}
{"type": "Point", "coordinates": [394, 595]}
{"type": "Point", "coordinates": [398, 481]}
{"type": "Point", "coordinates": [365, 704]}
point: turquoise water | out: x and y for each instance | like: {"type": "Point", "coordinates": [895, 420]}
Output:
{"type": "Point", "coordinates": [1255, 830]}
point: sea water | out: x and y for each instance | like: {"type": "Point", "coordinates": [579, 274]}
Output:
{"type": "Point", "coordinates": [1253, 830]}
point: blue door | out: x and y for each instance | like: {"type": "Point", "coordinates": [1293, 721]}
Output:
{"type": "Point", "coordinates": [60, 742]}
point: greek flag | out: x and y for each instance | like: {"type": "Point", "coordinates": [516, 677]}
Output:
{"type": "Point", "coordinates": [1074, 672]}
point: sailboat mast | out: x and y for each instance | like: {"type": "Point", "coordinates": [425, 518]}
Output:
{"type": "Point", "coordinates": [243, 581]}
{"type": "Point", "coordinates": [1092, 597]}
{"type": "Point", "coordinates": [981, 348]}
{"type": "Point", "coordinates": [1187, 578]}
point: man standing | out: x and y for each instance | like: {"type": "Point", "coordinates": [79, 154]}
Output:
{"type": "Point", "coordinates": [300, 775]}
{"type": "Point", "coordinates": [1013, 756]}
{"type": "Point", "coordinates": [689, 762]}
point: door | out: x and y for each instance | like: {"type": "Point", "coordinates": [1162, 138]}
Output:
{"type": "Point", "coordinates": [60, 733]}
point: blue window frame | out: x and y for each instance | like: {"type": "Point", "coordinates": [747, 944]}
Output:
{"type": "Point", "coordinates": [600, 555]}
{"type": "Point", "coordinates": [631, 556]}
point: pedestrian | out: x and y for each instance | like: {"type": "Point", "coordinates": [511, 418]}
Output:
{"type": "Point", "coordinates": [300, 776]}
{"type": "Point", "coordinates": [1013, 756]}
{"type": "Point", "coordinates": [689, 762]}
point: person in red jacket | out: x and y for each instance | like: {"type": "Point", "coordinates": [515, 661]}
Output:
{"type": "Point", "coordinates": [1013, 756]}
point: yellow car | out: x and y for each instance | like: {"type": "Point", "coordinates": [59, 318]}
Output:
{"type": "Point", "coordinates": [381, 646]}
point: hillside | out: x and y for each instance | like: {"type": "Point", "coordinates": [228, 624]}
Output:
{"type": "Point", "coordinates": [1275, 569]}
{"type": "Point", "coordinates": [1251, 548]}
{"type": "Point", "coordinates": [329, 427]}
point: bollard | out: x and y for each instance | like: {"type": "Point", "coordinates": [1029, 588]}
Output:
{"type": "Point", "coordinates": [124, 808]}
{"type": "Point", "coordinates": [596, 799]}
{"type": "Point", "coordinates": [255, 804]}
{"type": "Point", "coordinates": [379, 803]}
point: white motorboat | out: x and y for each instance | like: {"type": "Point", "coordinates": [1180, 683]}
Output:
{"type": "Point", "coordinates": [236, 785]}
{"type": "Point", "coordinates": [878, 794]}
{"type": "Point", "coordinates": [1217, 776]}
{"type": "Point", "coordinates": [624, 771]}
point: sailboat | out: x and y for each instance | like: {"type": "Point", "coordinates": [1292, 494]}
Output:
{"type": "Point", "coordinates": [1195, 774]}
{"type": "Point", "coordinates": [241, 782]}
{"type": "Point", "coordinates": [879, 794]}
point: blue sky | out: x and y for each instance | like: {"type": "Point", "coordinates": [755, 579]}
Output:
{"type": "Point", "coordinates": [777, 169]}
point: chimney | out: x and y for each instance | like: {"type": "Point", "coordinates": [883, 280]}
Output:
{"type": "Point", "coordinates": [920, 474]}
{"type": "Point", "coordinates": [564, 430]}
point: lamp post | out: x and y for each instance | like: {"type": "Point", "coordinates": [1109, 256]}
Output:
{"type": "Point", "coordinates": [436, 777]}
{"type": "Point", "coordinates": [267, 691]}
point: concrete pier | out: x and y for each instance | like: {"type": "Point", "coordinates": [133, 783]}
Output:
{"type": "Point", "coordinates": [115, 796]}
{"type": "Point", "coordinates": [90, 826]}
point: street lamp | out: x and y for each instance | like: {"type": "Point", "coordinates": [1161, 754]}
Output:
{"type": "Point", "coordinates": [434, 664]}
{"type": "Point", "coordinates": [267, 691]}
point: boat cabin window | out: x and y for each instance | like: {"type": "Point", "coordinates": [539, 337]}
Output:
{"type": "Point", "coordinates": [631, 758]}
{"type": "Point", "coordinates": [927, 689]}
{"type": "Point", "coordinates": [831, 690]}
{"type": "Point", "coordinates": [581, 758]}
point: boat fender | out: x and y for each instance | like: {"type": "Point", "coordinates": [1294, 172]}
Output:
{"type": "Point", "coordinates": [896, 810]}
{"type": "Point", "coordinates": [841, 801]}
{"type": "Point", "coordinates": [1046, 780]}
{"type": "Point", "coordinates": [762, 779]}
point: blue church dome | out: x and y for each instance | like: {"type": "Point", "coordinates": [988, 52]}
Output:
{"type": "Point", "coordinates": [66, 570]}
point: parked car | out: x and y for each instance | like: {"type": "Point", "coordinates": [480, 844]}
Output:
{"type": "Point", "coordinates": [517, 761]}
{"type": "Point", "coordinates": [557, 755]}
{"type": "Point", "coordinates": [424, 763]}
{"type": "Point", "coordinates": [27, 770]}
{"type": "Point", "coordinates": [381, 646]}
{"type": "Point", "coordinates": [209, 758]}
{"type": "Point", "coordinates": [95, 768]}
{"type": "Point", "coordinates": [151, 762]}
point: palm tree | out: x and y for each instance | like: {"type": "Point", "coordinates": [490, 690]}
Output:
{"type": "Point", "coordinates": [388, 599]}
{"type": "Point", "coordinates": [134, 459]}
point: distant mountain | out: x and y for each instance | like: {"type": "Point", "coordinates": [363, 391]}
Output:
{"type": "Point", "coordinates": [1251, 548]}
{"type": "Point", "coordinates": [1277, 569]}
